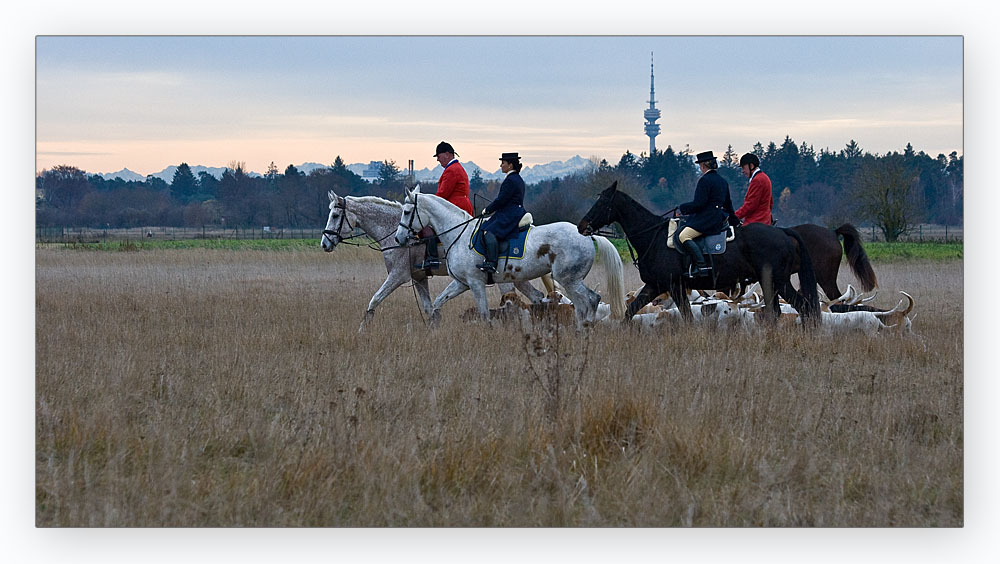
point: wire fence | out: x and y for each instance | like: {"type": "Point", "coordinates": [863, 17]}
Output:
{"type": "Point", "coordinates": [91, 235]}
{"type": "Point", "coordinates": [919, 233]}
{"type": "Point", "coordinates": [924, 233]}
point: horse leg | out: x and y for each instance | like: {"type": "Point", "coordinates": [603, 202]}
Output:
{"type": "Point", "coordinates": [584, 304]}
{"type": "Point", "coordinates": [479, 294]}
{"type": "Point", "coordinates": [679, 293]}
{"type": "Point", "coordinates": [809, 317]}
{"type": "Point", "coordinates": [424, 292]}
{"type": "Point", "coordinates": [771, 311]}
{"type": "Point", "coordinates": [452, 290]}
{"type": "Point", "coordinates": [645, 295]}
{"type": "Point", "coordinates": [395, 279]}
{"type": "Point", "coordinates": [532, 293]}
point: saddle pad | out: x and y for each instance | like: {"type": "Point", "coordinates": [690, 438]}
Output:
{"type": "Point", "coordinates": [714, 244]}
{"type": "Point", "coordinates": [671, 227]}
{"type": "Point", "coordinates": [711, 244]}
{"type": "Point", "coordinates": [515, 249]}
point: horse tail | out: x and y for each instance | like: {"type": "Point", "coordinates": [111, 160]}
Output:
{"type": "Point", "coordinates": [807, 276]}
{"type": "Point", "coordinates": [608, 255]}
{"type": "Point", "coordinates": [857, 258]}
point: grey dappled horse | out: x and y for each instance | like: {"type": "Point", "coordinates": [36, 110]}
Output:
{"type": "Point", "coordinates": [554, 247]}
{"type": "Point", "coordinates": [378, 219]}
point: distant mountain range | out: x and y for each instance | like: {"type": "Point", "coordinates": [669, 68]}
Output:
{"type": "Point", "coordinates": [537, 173]}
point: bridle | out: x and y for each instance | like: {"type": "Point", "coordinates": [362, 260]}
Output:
{"type": "Point", "coordinates": [657, 226]}
{"type": "Point", "coordinates": [606, 208]}
{"type": "Point", "coordinates": [412, 233]}
{"type": "Point", "coordinates": [415, 212]}
{"type": "Point", "coordinates": [329, 233]}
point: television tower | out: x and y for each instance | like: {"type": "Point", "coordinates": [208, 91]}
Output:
{"type": "Point", "coordinates": [651, 114]}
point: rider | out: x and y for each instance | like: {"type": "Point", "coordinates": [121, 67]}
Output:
{"type": "Point", "coordinates": [708, 213]}
{"type": "Point", "coordinates": [453, 185]}
{"type": "Point", "coordinates": [507, 210]}
{"type": "Point", "coordinates": [757, 205]}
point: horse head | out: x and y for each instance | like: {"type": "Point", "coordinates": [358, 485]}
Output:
{"type": "Point", "coordinates": [601, 213]}
{"type": "Point", "coordinates": [410, 223]}
{"type": "Point", "coordinates": [338, 225]}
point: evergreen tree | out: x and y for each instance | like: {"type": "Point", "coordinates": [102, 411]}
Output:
{"type": "Point", "coordinates": [476, 182]}
{"type": "Point", "coordinates": [184, 186]}
{"type": "Point", "coordinates": [852, 150]}
{"type": "Point", "coordinates": [730, 159]}
{"type": "Point", "coordinates": [208, 186]}
{"type": "Point", "coordinates": [272, 176]}
{"type": "Point", "coordinates": [389, 181]}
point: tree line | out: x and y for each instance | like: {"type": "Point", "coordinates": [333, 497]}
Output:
{"type": "Point", "coordinates": [892, 191]}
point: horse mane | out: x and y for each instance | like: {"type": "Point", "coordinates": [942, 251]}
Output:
{"type": "Point", "coordinates": [376, 200]}
{"type": "Point", "coordinates": [449, 204]}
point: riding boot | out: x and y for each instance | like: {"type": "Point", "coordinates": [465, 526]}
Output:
{"type": "Point", "coordinates": [492, 250]}
{"type": "Point", "coordinates": [699, 267]}
{"type": "Point", "coordinates": [431, 260]}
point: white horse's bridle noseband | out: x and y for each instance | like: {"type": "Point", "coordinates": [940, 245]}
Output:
{"type": "Point", "coordinates": [329, 233]}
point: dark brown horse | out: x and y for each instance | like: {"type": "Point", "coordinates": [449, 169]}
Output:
{"type": "Point", "coordinates": [759, 252]}
{"type": "Point", "coordinates": [824, 249]}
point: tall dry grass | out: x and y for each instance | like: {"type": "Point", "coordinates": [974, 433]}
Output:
{"type": "Point", "coordinates": [215, 388]}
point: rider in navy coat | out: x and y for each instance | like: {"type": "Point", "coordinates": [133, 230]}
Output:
{"type": "Point", "coordinates": [710, 212]}
{"type": "Point", "coordinates": [507, 210]}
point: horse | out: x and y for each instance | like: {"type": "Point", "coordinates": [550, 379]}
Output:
{"type": "Point", "coordinates": [825, 251]}
{"type": "Point", "coordinates": [377, 218]}
{"type": "Point", "coordinates": [554, 248]}
{"type": "Point", "coordinates": [758, 253]}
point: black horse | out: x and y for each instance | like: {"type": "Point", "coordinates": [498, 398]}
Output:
{"type": "Point", "coordinates": [825, 251]}
{"type": "Point", "coordinates": [759, 252]}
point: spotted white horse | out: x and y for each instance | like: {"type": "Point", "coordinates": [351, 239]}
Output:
{"type": "Point", "coordinates": [377, 218]}
{"type": "Point", "coordinates": [556, 248]}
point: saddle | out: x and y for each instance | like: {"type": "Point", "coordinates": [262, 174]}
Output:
{"type": "Point", "coordinates": [713, 244]}
{"type": "Point", "coordinates": [507, 249]}
{"type": "Point", "coordinates": [512, 248]}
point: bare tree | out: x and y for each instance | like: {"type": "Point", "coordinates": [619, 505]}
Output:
{"type": "Point", "coordinates": [886, 193]}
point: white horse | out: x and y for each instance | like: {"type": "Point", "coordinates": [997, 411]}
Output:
{"type": "Point", "coordinates": [378, 219]}
{"type": "Point", "coordinates": [555, 247]}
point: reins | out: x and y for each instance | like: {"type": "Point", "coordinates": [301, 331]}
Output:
{"type": "Point", "coordinates": [628, 243]}
{"type": "Point", "coordinates": [416, 213]}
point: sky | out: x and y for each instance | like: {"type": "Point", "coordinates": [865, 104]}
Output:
{"type": "Point", "coordinates": [104, 103]}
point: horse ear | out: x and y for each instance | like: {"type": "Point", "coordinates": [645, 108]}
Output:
{"type": "Point", "coordinates": [332, 196]}
{"type": "Point", "coordinates": [614, 186]}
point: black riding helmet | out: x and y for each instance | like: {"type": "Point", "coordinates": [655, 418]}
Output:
{"type": "Point", "coordinates": [750, 159]}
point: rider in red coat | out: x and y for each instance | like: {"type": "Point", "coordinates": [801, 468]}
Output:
{"type": "Point", "coordinates": [454, 182]}
{"type": "Point", "coordinates": [757, 205]}
{"type": "Point", "coordinates": [453, 185]}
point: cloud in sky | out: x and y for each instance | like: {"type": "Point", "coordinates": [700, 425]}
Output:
{"type": "Point", "coordinates": [149, 102]}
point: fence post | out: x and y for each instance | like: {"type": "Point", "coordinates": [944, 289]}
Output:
{"type": "Point", "coordinates": [920, 232]}
{"type": "Point", "coordinates": [945, 232]}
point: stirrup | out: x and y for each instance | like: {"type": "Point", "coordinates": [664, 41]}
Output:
{"type": "Point", "coordinates": [487, 268]}
{"type": "Point", "coordinates": [428, 264]}
{"type": "Point", "coordinates": [698, 271]}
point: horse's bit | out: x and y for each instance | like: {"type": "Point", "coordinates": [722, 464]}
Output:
{"type": "Point", "coordinates": [328, 233]}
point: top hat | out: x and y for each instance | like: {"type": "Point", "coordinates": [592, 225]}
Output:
{"type": "Point", "coordinates": [509, 157]}
{"type": "Point", "coordinates": [705, 157]}
{"type": "Point", "coordinates": [443, 147]}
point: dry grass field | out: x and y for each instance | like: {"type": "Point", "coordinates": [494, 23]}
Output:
{"type": "Point", "coordinates": [212, 388]}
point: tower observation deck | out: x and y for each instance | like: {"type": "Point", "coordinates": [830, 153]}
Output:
{"type": "Point", "coordinates": [651, 114]}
